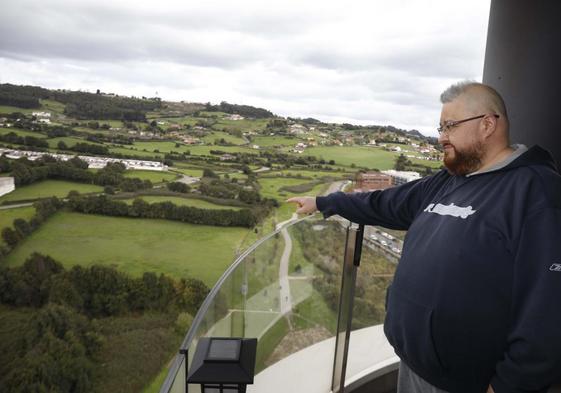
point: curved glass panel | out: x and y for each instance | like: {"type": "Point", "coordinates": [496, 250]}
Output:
{"type": "Point", "coordinates": [369, 350]}
{"type": "Point", "coordinates": [285, 293]}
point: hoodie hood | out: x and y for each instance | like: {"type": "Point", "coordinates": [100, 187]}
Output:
{"type": "Point", "coordinates": [533, 156]}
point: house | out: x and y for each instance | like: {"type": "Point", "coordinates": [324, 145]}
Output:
{"type": "Point", "coordinates": [297, 129]}
{"type": "Point", "coordinates": [42, 115]}
{"type": "Point", "coordinates": [372, 181]}
{"type": "Point", "coordinates": [235, 117]}
{"type": "Point", "coordinates": [402, 177]}
{"type": "Point", "coordinates": [227, 157]}
{"type": "Point", "coordinates": [189, 140]}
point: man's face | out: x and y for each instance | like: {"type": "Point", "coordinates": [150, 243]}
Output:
{"type": "Point", "coordinates": [463, 150]}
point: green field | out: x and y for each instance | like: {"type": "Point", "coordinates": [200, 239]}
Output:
{"type": "Point", "coordinates": [209, 139]}
{"type": "Point", "coordinates": [134, 245]}
{"type": "Point", "coordinates": [48, 188]}
{"type": "Point", "coordinates": [245, 125]}
{"type": "Point", "coordinates": [52, 106]}
{"type": "Point", "coordinates": [70, 141]}
{"type": "Point", "coordinates": [266, 141]}
{"type": "Point", "coordinates": [205, 150]}
{"type": "Point", "coordinates": [153, 176]}
{"type": "Point", "coordinates": [309, 174]}
{"type": "Point", "coordinates": [135, 153]}
{"type": "Point", "coordinates": [163, 147]}
{"type": "Point", "coordinates": [270, 189]}
{"type": "Point", "coordinates": [189, 171]}
{"type": "Point", "coordinates": [19, 132]}
{"type": "Point", "coordinates": [369, 157]}
{"type": "Point", "coordinates": [199, 203]}
{"type": "Point", "coordinates": [12, 109]}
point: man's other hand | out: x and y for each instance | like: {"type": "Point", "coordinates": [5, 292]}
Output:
{"type": "Point", "coordinates": [490, 389]}
{"type": "Point", "coordinates": [306, 205]}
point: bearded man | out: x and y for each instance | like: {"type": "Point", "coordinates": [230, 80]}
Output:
{"type": "Point", "coordinates": [474, 304]}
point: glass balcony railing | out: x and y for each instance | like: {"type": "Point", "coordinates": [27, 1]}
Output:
{"type": "Point", "coordinates": [294, 291]}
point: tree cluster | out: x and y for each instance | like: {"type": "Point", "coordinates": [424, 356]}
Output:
{"type": "Point", "coordinates": [83, 105]}
{"type": "Point", "coordinates": [96, 291]}
{"type": "Point", "coordinates": [13, 138]}
{"type": "Point", "coordinates": [178, 187]}
{"type": "Point", "coordinates": [111, 138]}
{"type": "Point", "coordinates": [243, 110]}
{"type": "Point", "coordinates": [22, 96]}
{"type": "Point", "coordinates": [220, 189]}
{"type": "Point", "coordinates": [75, 169]}
{"type": "Point", "coordinates": [43, 210]}
{"type": "Point", "coordinates": [59, 345]}
{"type": "Point", "coordinates": [165, 210]}
{"type": "Point", "coordinates": [87, 148]}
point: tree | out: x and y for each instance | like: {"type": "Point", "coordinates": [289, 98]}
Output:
{"type": "Point", "coordinates": [10, 236]}
{"type": "Point", "coordinates": [210, 173]}
{"type": "Point", "coordinates": [22, 228]}
{"type": "Point", "coordinates": [178, 187]}
{"type": "Point", "coordinates": [77, 162]}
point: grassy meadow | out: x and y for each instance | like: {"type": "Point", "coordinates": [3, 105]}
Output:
{"type": "Point", "coordinates": [48, 188]}
{"type": "Point", "coordinates": [20, 132]}
{"type": "Point", "coordinates": [370, 157]}
{"type": "Point", "coordinates": [153, 176]}
{"type": "Point", "coordinates": [209, 139]}
{"type": "Point", "coordinates": [134, 245]}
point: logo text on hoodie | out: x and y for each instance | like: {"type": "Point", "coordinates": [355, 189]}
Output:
{"type": "Point", "coordinates": [556, 267]}
{"type": "Point", "coordinates": [450, 210]}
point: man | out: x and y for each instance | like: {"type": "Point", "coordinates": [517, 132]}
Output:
{"type": "Point", "coordinates": [475, 301]}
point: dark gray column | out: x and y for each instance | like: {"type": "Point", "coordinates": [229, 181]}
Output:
{"type": "Point", "coordinates": [523, 62]}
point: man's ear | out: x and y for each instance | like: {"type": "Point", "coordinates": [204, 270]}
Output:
{"type": "Point", "coordinates": [488, 126]}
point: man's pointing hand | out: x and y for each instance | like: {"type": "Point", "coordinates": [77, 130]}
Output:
{"type": "Point", "coordinates": [306, 205]}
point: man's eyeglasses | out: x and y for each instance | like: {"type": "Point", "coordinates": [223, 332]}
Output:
{"type": "Point", "coordinates": [453, 123]}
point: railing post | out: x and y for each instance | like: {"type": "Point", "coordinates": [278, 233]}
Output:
{"type": "Point", "coordinates": [185, 354]}
{"type": "Point", "coordinates": [353, 252]}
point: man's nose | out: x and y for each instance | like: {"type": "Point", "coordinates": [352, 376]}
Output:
{"type": "Point", "coordinates": [442, 138]}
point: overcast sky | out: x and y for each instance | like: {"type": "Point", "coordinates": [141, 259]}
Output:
{"type": "Point", "coordinates": [363, 62]}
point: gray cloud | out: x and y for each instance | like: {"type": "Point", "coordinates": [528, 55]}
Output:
{"type": "Point", "coordinates": [367, 61]}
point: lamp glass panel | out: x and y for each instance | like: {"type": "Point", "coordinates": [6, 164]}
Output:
{"type": "Point", "coordinates": [226, 350]}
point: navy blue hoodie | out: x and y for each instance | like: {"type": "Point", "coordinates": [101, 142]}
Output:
{"type": "Point", "coordinates": [476, 298]}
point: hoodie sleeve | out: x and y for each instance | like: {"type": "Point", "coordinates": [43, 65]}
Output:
{"type": "Point", "coordinates": [393, 208]}
{"type": "Point", "coordinates": [532, 360]}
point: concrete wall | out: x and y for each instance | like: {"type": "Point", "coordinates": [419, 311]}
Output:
{"type": "Point", "coordinates": [523, 62]}
{"type": "Point", "coordinates": [6, 185]}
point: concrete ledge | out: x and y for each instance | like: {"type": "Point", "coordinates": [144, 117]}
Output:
{"type": "Point", "coordinates": [310, 370]}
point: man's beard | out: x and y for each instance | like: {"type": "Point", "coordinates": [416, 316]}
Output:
{"type": "Point", "coordinates": [464, 161]}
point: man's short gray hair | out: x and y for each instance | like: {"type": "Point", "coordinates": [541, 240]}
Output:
{"type": "Point", "coordinates": [456, 90]}
{"type": "Point", "coordinates": [478, 96]}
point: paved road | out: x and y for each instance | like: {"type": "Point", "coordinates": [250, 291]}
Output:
{"type": "Point", "coordinates": [284, 285]}
{"type": "Point", "coordinates": [16, 206]}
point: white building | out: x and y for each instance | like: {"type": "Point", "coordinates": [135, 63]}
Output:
{"type": "Point", "coordinates": [93, 162]}
{"type": "Point", "coordinates": [42, 115]}
{"type": "Point", "coordinates": [7, 185]}
{"type": "Point", "coordinates": [402, 177]}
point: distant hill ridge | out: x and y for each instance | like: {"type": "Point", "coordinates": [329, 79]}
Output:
{"type": "Point", "coordinates": [107, 106]}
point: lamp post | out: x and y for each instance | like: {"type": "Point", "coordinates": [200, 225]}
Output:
{"type": "Point", "coordinates": [223, 365]}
